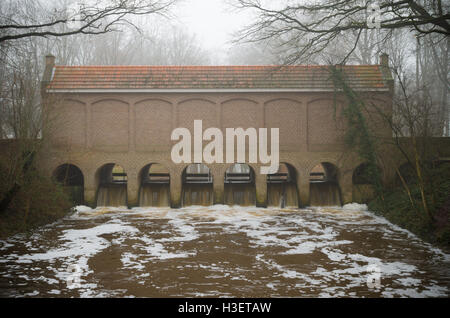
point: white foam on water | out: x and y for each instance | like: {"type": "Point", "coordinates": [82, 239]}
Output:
{"type": "Point", "coordinates": [5, 245]}
{"type": "Point", "coordinates": [86, 242]}
{"type": "Point", "coordinates": [82, 208]}
{"type": "Point", "coordinates": [284, 231]}
{"type": "Point", "coordinates": [76, 247]}
{"type": "Point", "coordinates": [355, 207]}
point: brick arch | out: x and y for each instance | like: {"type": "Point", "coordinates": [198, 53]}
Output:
{"type": "Point", "coordinates": [315, 162]}
{"type": "Point", "coordinates": [236, 98]}
{"type": "Point", "coordinates": [254, 166]}
{"type": "Point", "coordinates": [194, 163]}
{"type": "Point", "coordinates": [76, 163]}
{"type": "Point", "coordinates": [281, 99]}
{"type": "Point", "coordinates": [71, 163]}
{"type": "Point", "coordinates": [254, 170]}
{"type": "Point", "coordinates": [73, 99]}
{"type": "Point", "coordinates": [108, 99]}
{"type": "Point", "coordinates": [288, 164]}
{"type": "Point", "coordinates": [190, 99]}
{"type": "Point", "coordinates": [152, 99]}
{"type": "Point", "coordinates": [141, 170]}
{"type": "Point", "coordinates": [99, 166]}
{"type": "Point", "coordinates": [314, 100]}
{"type": "Point", "coordinates": [293, 171]}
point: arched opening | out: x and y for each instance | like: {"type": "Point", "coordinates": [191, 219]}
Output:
{"type": "Point", "coordinates": [154, 187]}
{"type": "Point", "coordinates": [71, 179]}
{"type": "Point", "coordinates": [112, 185]}
{"type": "Point", "coordinates": [282, 187]}
{"type": "Point", "coordinates": [363, 181]}
{"type": "Point", "coordinates": [197, 185]}
{"type": "Point", "coordinates": [323, 185]}
{"type": "Point", "coordinates": [239, 188]}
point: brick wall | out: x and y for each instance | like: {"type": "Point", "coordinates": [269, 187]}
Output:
{"type": "Point", "coordinates": [90, 130]}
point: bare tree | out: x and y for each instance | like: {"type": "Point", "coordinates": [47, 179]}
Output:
{"type": "Point", "coordinates": [312, 27]}
{"type": "Point", "coordinates": [34, 18]}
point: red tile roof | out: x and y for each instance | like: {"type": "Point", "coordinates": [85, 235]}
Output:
{"type": "Point", "coordinates": [295, 77]}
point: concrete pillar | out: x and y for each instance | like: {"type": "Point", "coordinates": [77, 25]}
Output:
{"type": "Point", "coordinates": [261, 188]}
{"type": "Point", "coordinates": [175, 188]}
{"type": "Point", "coordinates": [90, 189]}
{"type": "Point", "coordinates": [218, 184]}
{"type": "Point", "coordinates": [346, 187]}
{"type": "Point", "coordinates": [132, 189]}
{"type": "Point", "coordinates": [303, 187]}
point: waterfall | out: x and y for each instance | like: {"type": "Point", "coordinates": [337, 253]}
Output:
{"type": "Point", "coordinates": [324, 194]}
{"type": "Point", "coordinates": [240, 194]}
{"type": "Point", "coordinates": [198, 194]}
{"type": "Point", "coordinates": [154, 195]}
{"type": "Point", "coordinates": [112, 195]}
{"type": "Point", "coordinates": [282, 195]}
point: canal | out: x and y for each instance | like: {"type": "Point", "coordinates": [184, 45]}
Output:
{"type": "Point", "coordinates": [222, 251]}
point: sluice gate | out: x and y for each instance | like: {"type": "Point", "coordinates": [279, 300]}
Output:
{"type": "Point", "coordinates": [282, 188]}
{"type": "Point", "coordinates": [155, 186]}
{"type": "Point", "coordinates": [197, 185]}
{"type": "Point", "coordinates": [324, 186]}
{"type": "Point", "coordinates": [239, 188]}
{"type": "Point", "coordinates": [112, 189]}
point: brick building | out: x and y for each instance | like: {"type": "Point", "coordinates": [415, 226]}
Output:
{"type": "Point", "coordinates": [124, 115]}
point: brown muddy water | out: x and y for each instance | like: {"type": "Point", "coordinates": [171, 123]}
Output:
{"type": "Point", "coordinates": [222, 251]}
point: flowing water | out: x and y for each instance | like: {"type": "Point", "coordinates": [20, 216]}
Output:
{"type": "Point", "coordinates": [198, 194]}
{"type": "Point", "coordinates": [282, 195]}
{"type": "Point", "coordinates": [242, 194]}
{"type": "Point", "coordinates": [154, 195]}
{"type": "Point", "coordinates": [324, 194]}
{"type": "Point", "coordinates": [222, 251]}
{"type": "Point", "coordinates": [112, 195]}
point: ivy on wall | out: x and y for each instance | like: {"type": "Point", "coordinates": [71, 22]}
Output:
{"type": "Point", "coordinates": [358, 136]}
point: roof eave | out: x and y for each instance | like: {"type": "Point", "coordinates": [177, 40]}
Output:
{"type": "Point", "coordinates": [207, 90]}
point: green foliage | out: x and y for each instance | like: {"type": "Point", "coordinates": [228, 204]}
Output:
{"type": "Point", "coordinates": [399, 209]}
{"type": "Point", "coordinates": [39, 201]}
{"type": "Point", "coordinates": [357, 135]}
{"type": "Point", "coordinates": [396, 204]}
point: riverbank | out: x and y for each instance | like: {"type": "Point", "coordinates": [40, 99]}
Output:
{"type": "Point", "coordinates": [398, 209]}
{"type": "Point", "coordinates": [38, 202]}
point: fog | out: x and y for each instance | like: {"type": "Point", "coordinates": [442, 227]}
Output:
{"type": "Point", "coordinates": [222, 32]}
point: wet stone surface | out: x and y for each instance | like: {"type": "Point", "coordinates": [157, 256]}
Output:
{"type": "Point", "coordinates": [222, 251]}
